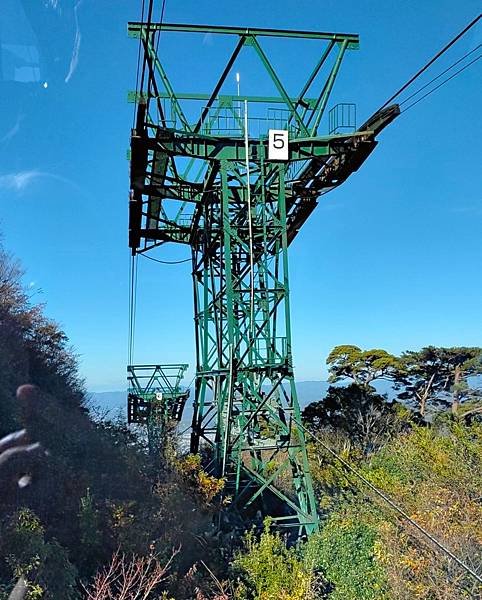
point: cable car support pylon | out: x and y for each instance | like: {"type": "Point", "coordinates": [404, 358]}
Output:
{"type": "Point", "coordinates": [236, 189]}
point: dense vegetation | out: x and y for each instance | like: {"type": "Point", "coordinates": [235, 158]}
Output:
{"type": "Point", "coordinates": [103, 519]}
{"type": "Point", "coordinates": [97, 492]}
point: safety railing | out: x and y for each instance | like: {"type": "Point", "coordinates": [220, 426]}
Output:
{"type": "Point", "coordinates": [342, 118]}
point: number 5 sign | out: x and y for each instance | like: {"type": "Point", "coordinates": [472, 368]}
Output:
{"type": "Point", "coordinates": [278, 144]}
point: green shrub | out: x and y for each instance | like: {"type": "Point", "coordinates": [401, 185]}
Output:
{"type": "Point", "coordinates": [43, 564]}
{"type": "Point", "coordinates": [268, 570]}
{"type": "Point", "coordinates": [345, 552]}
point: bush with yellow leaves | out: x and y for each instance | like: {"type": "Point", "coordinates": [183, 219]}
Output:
{"type": "Point", "coordinates": [207, 486]}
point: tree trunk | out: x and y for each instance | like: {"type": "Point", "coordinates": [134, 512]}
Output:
{"type": "Point", "coordinates": [423, 404]}
{"type": "Point", "coordinates": [456, 392]}
{"type": "Point", "coordinates": [423, 397]}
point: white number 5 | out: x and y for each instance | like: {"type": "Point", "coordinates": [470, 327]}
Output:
{"type": "Point", "coordinates": [278, 144]}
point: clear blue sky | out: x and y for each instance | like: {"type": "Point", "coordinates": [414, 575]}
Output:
{"type": "Point", "coordinates": [391, 259]}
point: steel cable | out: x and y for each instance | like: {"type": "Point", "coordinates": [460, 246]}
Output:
{"type": "Point", "coordinates": [138, 69]}
{"type": "Point", "coordinates": [133, 270]}
{"type": "Point", "coordinates": [431, 61]}
{"type": "Point", "coordinates": [129, 336]}
{"type": "Point", "coordinates": [442, 83]}
{"type": "Point", "coordinates": [440, 74]}
{"type": "Point", "coordinates": [166, 262]}
{"type": "Point", "coordinates": [393, 505]}
{"type": "Point", "coordinates": [161, 20]}
{"type": "Point", "coordinates": [132, 306]}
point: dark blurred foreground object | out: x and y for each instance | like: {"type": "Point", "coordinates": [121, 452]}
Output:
{"type": "Point", "coordinates": [19, 454]}
{"type": "Point", "coordinates": [19, 458]}
{"type": "Point", "coordinates": [19, 591]}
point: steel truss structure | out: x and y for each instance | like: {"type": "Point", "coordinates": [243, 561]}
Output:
{"type": "Point", "coordinates": [204, 179]}
{"type": "Point", "coordinates": [155, 399]}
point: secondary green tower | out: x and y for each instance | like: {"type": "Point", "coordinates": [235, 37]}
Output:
{"type": "Point", "coordinates": [234, 179]}
{"type": "Point", "coordinates": [155, 399]}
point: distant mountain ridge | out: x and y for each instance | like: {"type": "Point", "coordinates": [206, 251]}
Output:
{"type": "Point", "coordinates": [115, 402]}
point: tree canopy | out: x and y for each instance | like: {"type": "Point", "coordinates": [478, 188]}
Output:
{"type": "Point", "coordinates": [439, 376]}
{"type": "Point", "coordinates": [434, 377]}
{"type": "Point", "coordinates": [363, 367]}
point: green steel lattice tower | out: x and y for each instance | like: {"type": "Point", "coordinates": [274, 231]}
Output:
{"type": "Point", "coordinates": [210, 183]}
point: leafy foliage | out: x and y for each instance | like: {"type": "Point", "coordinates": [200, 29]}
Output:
{"type": "Point", "coordinates": [207, 486]}
{"type": "Point", "coordinates": [364, 417]}
{"type": "Point", "coordinates": [433, 473]}
{"type": "Point", "coordinates": [346, 552]}
{"type": "Point", "coordinates": [43, 564]}
{"type": "Point", "coordinates": [268, 570]}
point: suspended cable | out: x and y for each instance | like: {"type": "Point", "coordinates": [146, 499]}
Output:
{"type": "Point", "coordinates": [148, 31]}
{"type": "Point", "coordinates": [132, 306]}
{"type": "Point", "coordinates": [166, 262]}
{"type": "Point", "coordinates": [431, 61]}
{"type": "Point", "coordinates": [161, 20]}
{"type": "Point", "coordinates": [443, 82]}
{"type": "Point", "coordinates": [131, 339]}
{"type": "Point", "coordinates": [184, 431]}
{"type": "Point", "coordinates": [191, 382]}
{"type": "Point", "coordinates": [188, 387]}
{"type": "Point", "coordinates": [389, 501]}
{"type": "Point", "coordinates": [131, 315]}
{"type": "Point", "coordinates": [129, 334]}
{"type": "Point", "coordinates": [250, 222]}
{"type": "Point", "coordinates": [228, 411]}
{"type": "Point", "coordinates": [138, 69]}
{"type": "Point", "coordinates": [133, 265]}
{"type": "Point", "coordinates": [134, 309]}
{"type": "Point", "coordinates": [440, 75]}
{"type": "Point", "coordinates": [129, 318]}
